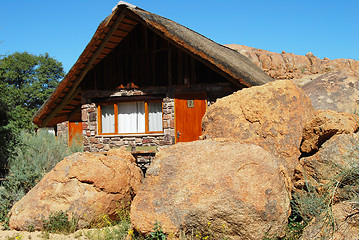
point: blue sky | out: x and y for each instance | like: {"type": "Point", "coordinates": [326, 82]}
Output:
{"type": "Point", "coordinates": [327, 28]}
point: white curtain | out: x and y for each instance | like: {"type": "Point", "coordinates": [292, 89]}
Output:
{"type": "Point", "coordinates": [131, 117]}
{"type": "Point", "coordinates": [155, 116]}
{"type": "Point", "coordinates": [107, 119]}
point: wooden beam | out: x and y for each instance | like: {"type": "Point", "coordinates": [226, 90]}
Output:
{"type": "Point", "coordinates": [75, 87]}
{"type": "Point", "coordinates": [129, 22]}
{"type": "Point", "coordinates": [60, 106]}
{"type": "Point", "coordinates": [153, 60]}
{"type": "Point", "coordinates": [193, 79]}
{"type": "Point", "coordinates": [169, 62]}
{"type": "Point", "coordinates": [180, 67]}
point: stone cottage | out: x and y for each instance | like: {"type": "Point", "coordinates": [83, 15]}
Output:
{"type": "Point", "coordinates": [144, 80]}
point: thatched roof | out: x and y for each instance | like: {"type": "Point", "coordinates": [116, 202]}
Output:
{"type": "Point", "coordinates": [226, 59]}
{"type": "Point", "coordinates": [65, 100]}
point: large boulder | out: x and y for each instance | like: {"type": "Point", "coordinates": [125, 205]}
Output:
{"type": "Point", "coordinates": [324, 125]}
{"type": "Point", "coordinates": [85, 185]}
{"type": "Point", "coordinates": [271, 116]}
{"type": "Point", "coordinates": [213, 188]}
{"type": "Point", "coordinates": [343, 224]}
{"type": "Point", "coordinates": [337, 91]}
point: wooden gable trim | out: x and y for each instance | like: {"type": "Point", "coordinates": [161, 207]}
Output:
{"type": "Point", "coordinates": [74, 90]}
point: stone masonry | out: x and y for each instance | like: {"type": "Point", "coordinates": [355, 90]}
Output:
{"type": "Point", "coordinates": [63, 130]}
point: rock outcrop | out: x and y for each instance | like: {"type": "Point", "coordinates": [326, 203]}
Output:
{"type": "Point", "coordinates": [85, 185]}
{"type": "Point", "coordinates": [337, 91]}
{"type": "Point", "coordinates": [330, 84]}
{"type": "Point", "coordinates": [215, 188]}
{"type": "Point", "coordinates": [271, 116]}
{"type": "Point", "coordinates": [288, 65]}
{"type": "Point", "coordinates": [324, 125]}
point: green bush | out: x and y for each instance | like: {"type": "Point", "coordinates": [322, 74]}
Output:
{"type": "Point", "coordinates": [34, 156]}
{"type": "Point", "coordinates": [59, 222]}
{"type": "Point", "coordinates": [42, 150]}
{"type": "Point", "coordinates": [157, 233]}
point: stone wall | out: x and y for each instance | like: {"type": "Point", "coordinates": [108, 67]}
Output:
{"type": "Point", "coordinates": [62, 131]}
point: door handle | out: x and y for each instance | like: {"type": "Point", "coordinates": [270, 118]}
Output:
{"type": "Point", "coordinates": [178, 134]}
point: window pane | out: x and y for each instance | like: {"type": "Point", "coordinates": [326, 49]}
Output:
{"type": "Point", "coordinates": [141, 118]}
{"type": "Point", "coordinates": [107, 119]}
{"type": "Point", "coordinates": [131, 117]}
{"type": "Point", "coordinates": [155, 116]}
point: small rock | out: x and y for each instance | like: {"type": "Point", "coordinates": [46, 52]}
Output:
{"type": "Point", "coordinates": [324, 125]}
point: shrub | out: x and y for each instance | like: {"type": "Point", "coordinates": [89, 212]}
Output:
{"type": "Point", "coordinates": [308, 204]}
{"type": "Point", "coordinates": [34, 156]}
{"type": "Point", "coordinates": [42, 150]}
{"type": "Point", "coordinates": [157, 233]}
{"type": "Point", "coordinates": [59, 222]}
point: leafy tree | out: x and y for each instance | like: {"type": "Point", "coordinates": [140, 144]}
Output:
{"type": "Point", "coordinates": [26, 81]}
{"type": "Point", "coordinates": [5, 131]}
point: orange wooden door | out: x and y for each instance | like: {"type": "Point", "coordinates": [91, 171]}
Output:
{"type": "Point", "coordinates": [75, 133]}
{"type": "Point", "coordinates": [189, 111]}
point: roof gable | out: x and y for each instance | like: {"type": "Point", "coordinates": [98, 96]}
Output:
{"type": "Point", "coordinates": [231, 64]}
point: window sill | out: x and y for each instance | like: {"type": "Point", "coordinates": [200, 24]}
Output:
{"type": "Point", "coordinates": [131, 135]}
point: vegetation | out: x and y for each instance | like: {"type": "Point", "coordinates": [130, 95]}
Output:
{"type": "Point", "coordinates": [157, 233]}
{"type": "Point", "coordinates": [33, 156]}
{"type": "Point", "coordinates": [317, 202]}
{"type": "Point", "coordinates": [59, 222]}
{"type": "Point", "coordinates": [109, 229]}
{"type": "Point", "coordinates": [26, 81]}
{"type": "Point", "coordinates": [6, 135]}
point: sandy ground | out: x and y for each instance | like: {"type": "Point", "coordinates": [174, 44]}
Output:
{"type": "Point", "coordinates": [84, 234]}
{"type": "Point", "coordinates": [12, 235]}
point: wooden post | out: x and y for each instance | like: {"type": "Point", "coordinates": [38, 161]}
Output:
{"type": "Point", "coordinates": [180, 66]}
{"type": "Point", "coordinates": [193, 71]}
{"type": "Point", "coordinates": [154, 60]}
{"type": "Point", "coordinates": [169, 62]}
